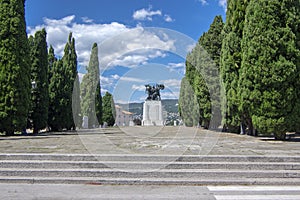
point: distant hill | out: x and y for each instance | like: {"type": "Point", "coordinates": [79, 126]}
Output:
{"type": "Point", "coordinates": [169, 105]}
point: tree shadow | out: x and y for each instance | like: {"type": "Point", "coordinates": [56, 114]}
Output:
{"type": "Point", "coordinates": [12, 138]}
{"type": "Point", "coordinates": [42, 135]}
{"type": "Point", "coordinates": [294, 137]}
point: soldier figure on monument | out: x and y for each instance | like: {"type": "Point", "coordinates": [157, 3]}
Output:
{"type": "Point", "coordinates": [154, 92]}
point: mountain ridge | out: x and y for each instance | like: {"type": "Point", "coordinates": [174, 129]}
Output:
{"type": "Point", "coordinates": [169, 105]}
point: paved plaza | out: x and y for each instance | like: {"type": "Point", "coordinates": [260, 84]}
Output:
{"type": "Point", "coordinates": [148, 163]}
{"type": "Point", "coordinates": [152, 140]}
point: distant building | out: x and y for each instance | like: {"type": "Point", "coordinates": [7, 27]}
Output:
{"type": "Point", "coordinates": [123, 118]}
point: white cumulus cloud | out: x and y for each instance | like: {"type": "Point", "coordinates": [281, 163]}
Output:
{"type": "Point", "coordinates": [133, 47]}
{"type": "Point", "coordinates": [115, 40]}
{"type": "Point", "coordinates": [168, 18]}
{"type": "Point", "coordinates": [203, 2]}
{"type": "Point", "coordinates": [177, 67]}
{"type": "Point", "coordinates": [115, 77]}
{"type": "Point", "coordinates": [138, 87]}
{"type": "Point", "coordinates": [169, 95]}
{"type": "Point", "coordinates": [107, 82]}
{"type": "Point", "coordinates": [131, 79]}
{"type": "Point", "coordinates": [172, 83]}
{"type": "Point", "coordinates": [223, 4]}
{"type": "Point", "coordinates": [87, 20]}
{"type": "Point", "coordinates": [147, 15]}
{"type": "Point", "coordinates": [144, 14]}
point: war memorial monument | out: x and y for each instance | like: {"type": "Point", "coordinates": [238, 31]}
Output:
{"type": "Point", "coordinates": [152, 108]}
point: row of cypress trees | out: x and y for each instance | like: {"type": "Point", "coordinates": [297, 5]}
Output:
{"type": "Point", "coordinates": [37, 90]}
{"type": "Point", "coordinates": [63, 76]}
{"type": "Point", "coordinates": [68, 99]}
{"type": "Point", "coordinates": [257, 53]}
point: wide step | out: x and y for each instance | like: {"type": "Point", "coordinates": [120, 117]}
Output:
{"type": "Point", "coordinates": [150, 169]}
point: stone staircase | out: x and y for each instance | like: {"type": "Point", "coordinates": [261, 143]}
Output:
{"type": "Point", "coordinates": [149, 169]}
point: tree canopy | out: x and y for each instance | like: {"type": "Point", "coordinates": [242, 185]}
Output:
{"type": "Point", "coordinates": [38, 115]}
{"type": "Point", "coordinates": [202, 69]}
{"type": "Point", "coordinates": [230, 63]}
{"type": "Point", "coordinates": [15, 83]}
{"type": "Point", "coordinates": [269, 77]}
{"type": "Point", "coordinates": [91, 103]}
{"type": "Point", "coordinates": [109, 111]}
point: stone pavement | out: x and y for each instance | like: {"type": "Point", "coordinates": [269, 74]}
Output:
{"type": "Point", "coordinates": [153, 140]}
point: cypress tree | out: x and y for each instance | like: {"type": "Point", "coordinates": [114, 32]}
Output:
{"type": "Point", "coordinates": [208, 64]}
{"type": "Point", "coordinates": [202, 67]}
{"type": "Point", "coordinates": [90, 90]}
{"type": "Point", "coordinates": [14, 67]}
{"type": "Point", "coordinates": [212, 40]}
{"type": "Point", "coordinates": [230, 63]}
{"type": "Point", "coordinates": [64, 89]}
{"type": "Point", "coordinates": [108, 109]}
{"type": "Point", "coordinates": [75, 87]}
{"type": "Point", "coordinates": [38, 114]}
{"type": "Point", "coordinates": [57, 97]}
{"type": "Point", "coordinates": [99, 109]}
{"type": "Point", "coordinates": [188, 105]}
{"type": "Point", "coordinates": [293, 22]}
{"type": "Point", "coordinates": [269, 75]}
{"type": "Point", "coordinates": [190, 68]}
{"type": "Point", "coordinates": [200, 98]}
{"type": "Point", "coordinates": [76, 107]}
{"type": "Point", "coordinates": [70, 65]}
{"type": "Point", "coordinates": [51, 91]}
{"type": "Point", "coordinates": [203, 101]}
{"type": "Point", "coordinates": [51, 60]}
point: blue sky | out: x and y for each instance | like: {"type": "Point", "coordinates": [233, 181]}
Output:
{"type": "Point", "coordinates": [139, 41]}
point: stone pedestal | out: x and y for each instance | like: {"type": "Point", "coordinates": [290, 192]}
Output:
{"type": "Point", "coordinates": [152, 114]}
{"type": "Point", "coordinates": [85, 122]}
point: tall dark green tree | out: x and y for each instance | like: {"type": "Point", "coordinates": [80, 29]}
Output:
{"type": "Point", "coordinates": [15, 81]}
{"type": "Point", "coordinates": [200, 96]}
{"type": "Point", "coordinates": [231, 63]}
{"type": "Point", "coordinates": [57, 97]}
{"type": "Point", "coordinates": [99, 109]}
{"type": "Point", "coordinates": [76, 107]}
{"type": "Point", "coordinates": [51, 91]}
{"type": "Point", "coordinates": [207, 89]}
{"type": "Point", "coordinates": [38, 115]}
{"type": "Point", "coordinates": [294, 22]}
{"type": "Point", "coordinates": [51, 60]}
{"type": "Point", "coordinates": [202, 66]}
{"type": "Point", "coordinates": [90, 90]}
{"type": "Point", "coordinates": [109, 112]}
{"type": "Point", "coordinates": [212, 40]}
{"type": "Point", "coordinates": [64, 110]}
{"type": "Point", "coordinates": [269, 78]}
{"type": "Point", "coordinates": [70, 65]}
{"type": "Point", "coordinates": [188, 105]}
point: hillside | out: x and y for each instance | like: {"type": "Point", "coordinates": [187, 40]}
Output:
{"type": "Point", "coordinates": [169, 105]}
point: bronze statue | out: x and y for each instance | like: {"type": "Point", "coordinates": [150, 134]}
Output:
{"type": "Point", "coordinates": [154, 92]}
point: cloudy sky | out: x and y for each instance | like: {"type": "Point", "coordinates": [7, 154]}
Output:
{"type": "Point", "coordinates": [140, 41]}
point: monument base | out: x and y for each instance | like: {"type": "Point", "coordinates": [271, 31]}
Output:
{"type": "Point", "coordinates": [152, 114]}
